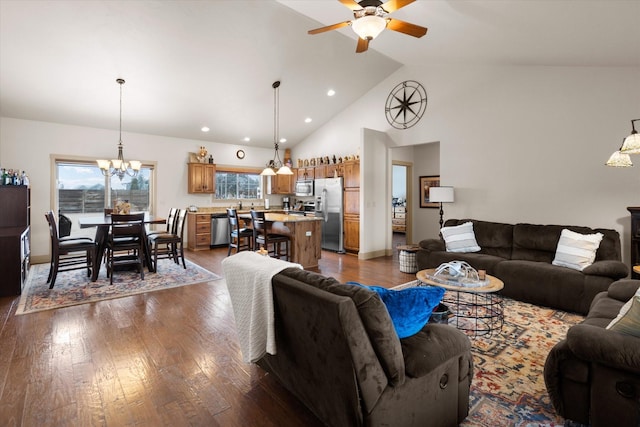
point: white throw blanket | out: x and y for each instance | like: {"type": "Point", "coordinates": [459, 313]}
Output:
{"type": "Point", "coordinates": [248, 277]}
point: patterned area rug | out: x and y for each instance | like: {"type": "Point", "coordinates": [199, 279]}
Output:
{"type": "Point", "coordinates": [73, 287]}
{"type": "Point", "coordinates": [508, 385]}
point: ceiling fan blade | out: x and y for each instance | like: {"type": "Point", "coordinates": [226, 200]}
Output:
{"type": "Point", "coordinates": [329, 28]}
{"type": "Point", "coordinates": [363, 44]}
{"type": "Point", "coordinates": [393, 5]}
{"type": "Point", "coordinates": [406, 28]}
{"type": "Point", "coordinates": [352, 4]}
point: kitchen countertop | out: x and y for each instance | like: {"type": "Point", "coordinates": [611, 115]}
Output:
{"type": "Point", "coordinates": [282, 217]}
{"type": "Point", "coordinates": [274, 211]}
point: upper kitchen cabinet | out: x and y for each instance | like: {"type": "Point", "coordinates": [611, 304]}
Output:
{"type": "Point", "coordinates": [202, 178]}
{"type": "Point", "coordinates": [281, 184]}
{"type": "Point", "coordinates": [352, 173]}
{"type": "Point", "coordinates": [305, 173]}
{"type": "Point", "coordinates": [334, 170]}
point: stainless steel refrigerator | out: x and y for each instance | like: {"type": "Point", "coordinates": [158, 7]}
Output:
{"type": "Point", "coordinates": [328, 195]}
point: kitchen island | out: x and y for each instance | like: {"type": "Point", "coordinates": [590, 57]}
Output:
{"type": "Point", "coordinates": [304, 231]}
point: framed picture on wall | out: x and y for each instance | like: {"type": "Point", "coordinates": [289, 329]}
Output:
{"type": "Point", "coordinates": [426, 182]}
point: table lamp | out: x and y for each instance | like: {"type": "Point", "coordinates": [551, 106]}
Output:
{"type": "Point", "coordinates": [441, 195]}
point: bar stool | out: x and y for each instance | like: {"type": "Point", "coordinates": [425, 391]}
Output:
{"type": "Point", "coordinates": [239, 238]}
{"type": "Point", "coordinates": [262, 237]}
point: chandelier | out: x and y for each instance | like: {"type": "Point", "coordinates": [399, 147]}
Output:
{"type": "Point", "coordinates": [276, 166]}
{"type": "Point", "coordinates": [119, 167]}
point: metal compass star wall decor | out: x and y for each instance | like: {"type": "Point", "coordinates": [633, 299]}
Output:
{"type": "Point", "coordinates": [406, 104]}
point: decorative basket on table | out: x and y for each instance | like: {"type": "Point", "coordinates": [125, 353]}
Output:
{"type": "Point", "coordinates": [457, 273]}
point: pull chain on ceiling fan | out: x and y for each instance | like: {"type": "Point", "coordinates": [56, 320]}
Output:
{"type": "Point", "coordinates": [371, 18]}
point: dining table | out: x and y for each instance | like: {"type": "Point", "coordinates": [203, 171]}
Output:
{"type": "Point", "coordinates": [102, 223]}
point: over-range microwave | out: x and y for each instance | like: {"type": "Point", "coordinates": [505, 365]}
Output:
{"type": "Point", "coordinates": [304, 187]}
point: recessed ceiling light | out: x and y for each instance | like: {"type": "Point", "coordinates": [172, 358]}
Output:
{"type": "Point", "coordinates": [331, 92]}
{"type": "Point", "coordinates": [246, 139]}
{"type": "Point", "coordinates": [283, 140]}
{"type": "Point", "coordinates": [204, 129]}
{"type": "Point", "coordinates": [308, 120]}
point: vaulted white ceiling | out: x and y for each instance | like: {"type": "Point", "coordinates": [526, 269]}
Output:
{"type": "Point", "coordinates": [189, 64]}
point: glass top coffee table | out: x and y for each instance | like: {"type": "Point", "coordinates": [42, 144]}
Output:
{"type": "Point", "coordinates": [477, 310]}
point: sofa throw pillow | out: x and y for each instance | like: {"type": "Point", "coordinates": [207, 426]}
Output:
{"type": "Point", "coordinates": [460, 238]}
{"type": "Point", "coordinates": [629, 324]}
{"type": "Point", "coordinates": [575, 250]}
{"type": "Point", "coordinates": [409, 308]}
{"type": "Point", "coordinates": [625, 308]}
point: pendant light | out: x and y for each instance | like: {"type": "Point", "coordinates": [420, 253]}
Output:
{"type": "Point", "coordinates": [276, 166]}
{"type": "Point", "coordinates": [119, 167]}
{"type": "Point", "coordinates": [631, 144]}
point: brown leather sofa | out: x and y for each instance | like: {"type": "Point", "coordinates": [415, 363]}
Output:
{"type": "Point", "coordinates": [521, 255]}
{"type": "Point", "coordinates": [338, 353]}
{"type": "Point", "coordinates": [593, 375]}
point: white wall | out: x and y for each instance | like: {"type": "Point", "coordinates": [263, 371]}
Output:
{"type": "Point", "coordinates": [518, 143]}
{"type": "Point", "coordinates": [28, 144]}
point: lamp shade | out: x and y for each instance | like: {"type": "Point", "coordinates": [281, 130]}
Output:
{"type": "Point", "coordinates": [631, 144]}
{"type": "Point", "coordinates": [369, 27]}
{"type": "Point", "coordinates": [441, 194]}
{"type": "Point", "coordinates": [619, 160]}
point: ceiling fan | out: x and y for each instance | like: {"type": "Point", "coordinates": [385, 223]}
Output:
{"type": "Point", "coordinates": [371, 17]}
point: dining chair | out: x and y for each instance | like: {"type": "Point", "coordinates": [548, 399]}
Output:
{"type": "Point", "coordinates": [240, 238]}
{"type": "Point", "coordinates": [262, 237]}
{"type": "Point", "coordinates": [68, 253]}
{"type": "Point", "coordinates": [171, 223]}
{"type": "Point", "coordinates": [125, 244]}
{"type": "Point", "coordinates": [169, 244]}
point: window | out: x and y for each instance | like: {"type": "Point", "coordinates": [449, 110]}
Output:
{"type": "Point", "coordinates": [82, 190]}
{"type": "Point", "coordinates": [238, 185]}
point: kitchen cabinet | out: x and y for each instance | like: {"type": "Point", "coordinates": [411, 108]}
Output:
{"type": "Point", "coordinates": [352, 174]}
{"type": "Point", "coordinates": [198, 231]}
{"type": "Point", "coordinates": [351, 221]}
{"type": "Point", "coordinates": [281, 184]}
{"type": "Point", "coordinates": [15, 233]}
{"type": "Point", "coordinates": [202, 178]}
{"type": "Point", "coordinates": [320, 172]}
{"type": "Point", "coordinates": [335, 169]}
{"type": "Point", "coordinates": [351, 233]}
{"type": "Point", "coordinates": [306, 173]}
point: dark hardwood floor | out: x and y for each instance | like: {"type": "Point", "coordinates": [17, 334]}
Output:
{"type": "Point", "coordinates": [165, 358]}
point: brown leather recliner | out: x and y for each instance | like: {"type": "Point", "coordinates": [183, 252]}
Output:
{"type": "Point", "coordinates": [593, 375]}
{"type": "Point", "coordinates": [338, 353]}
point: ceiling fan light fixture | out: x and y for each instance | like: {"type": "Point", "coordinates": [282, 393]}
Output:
{"type": "Point", "coordinates": [369, 27]}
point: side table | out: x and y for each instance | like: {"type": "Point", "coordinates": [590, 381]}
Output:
{"type": "Point", "coordinates": [407, 258]}
{"type": "Point", "coordinates": [478, 311]}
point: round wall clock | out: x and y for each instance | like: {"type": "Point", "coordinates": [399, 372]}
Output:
{"type": "Point", "coordinates": [240, 154]}
{"type": "Point", "coordinates": [406, 104]}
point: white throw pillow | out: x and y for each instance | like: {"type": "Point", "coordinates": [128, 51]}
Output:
{"type": "Point", "coordinates": [460, 238]}
{"type": "Point", "coordinates": [623, 311]}
{"type": "Point", "coordinates": [577, 251]}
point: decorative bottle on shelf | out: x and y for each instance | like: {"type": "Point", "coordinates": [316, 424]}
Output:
{"type": "Point", "coordinates": [24, 178]}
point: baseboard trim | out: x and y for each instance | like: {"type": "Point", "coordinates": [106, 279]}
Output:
{"type": "Point", "coordinates": [374, 254]}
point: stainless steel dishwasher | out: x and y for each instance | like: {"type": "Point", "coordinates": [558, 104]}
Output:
{"type": "Point", "coordinates": [219, 230]}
